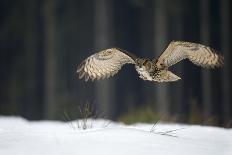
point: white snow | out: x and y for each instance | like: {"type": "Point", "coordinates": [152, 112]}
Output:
{"type": "Point", "coordinates": [21, 137]}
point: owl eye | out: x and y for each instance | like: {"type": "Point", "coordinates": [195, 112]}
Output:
{"type": "Point", "coordinates": [145, 62]}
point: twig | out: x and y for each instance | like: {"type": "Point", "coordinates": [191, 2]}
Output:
{"type": "Point", "coordinates": [67, 118]}
{"type": "Point", "coordinates": [154, 125]}
{"type": "Point", "coordinates": [166, 133]}
{"type": "Point", "coordinates": [169, 131]}
{"type": "Point", "coordinates": [106, 124]}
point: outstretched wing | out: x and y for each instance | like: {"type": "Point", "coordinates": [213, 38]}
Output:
{"type": "Point", "coordinates": [104, 64]}
{"type": "Point", "coordinates": [198, 54]}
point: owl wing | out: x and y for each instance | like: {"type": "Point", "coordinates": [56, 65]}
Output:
{"type": "Point", "coordinates": [198, 54]}
{"type": "Point", "coordinates": [104, 64]}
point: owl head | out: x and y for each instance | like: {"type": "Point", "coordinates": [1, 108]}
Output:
{"type": "Point", "coordinates": [143, 63]}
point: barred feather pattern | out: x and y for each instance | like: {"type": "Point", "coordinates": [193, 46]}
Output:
{"type": "Point", "coordinates": [199, 54]}
{"type": "Point", "coordinates": [103, 64]}
{"type": "Point", "coordinates": [206, 58]}
{"type": "Point", "coordinates": [108, 62]}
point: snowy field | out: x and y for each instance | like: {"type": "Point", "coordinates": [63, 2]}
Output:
{"type": "Point", "coordinates": [22, 137]}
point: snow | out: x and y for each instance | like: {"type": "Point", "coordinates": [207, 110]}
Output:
{"type": "Point", "coordinates": [21, 137]}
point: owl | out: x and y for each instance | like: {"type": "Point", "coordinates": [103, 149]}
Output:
{"type": "Point", "coordinates": [107, 63]}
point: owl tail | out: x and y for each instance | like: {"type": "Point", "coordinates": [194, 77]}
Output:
{"type": "Point", "coordinates": [167, 76]}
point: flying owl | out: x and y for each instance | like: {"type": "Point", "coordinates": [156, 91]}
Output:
{"type": "Point", "coordinates": [108, 62]}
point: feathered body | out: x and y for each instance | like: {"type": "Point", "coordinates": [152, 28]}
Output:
{"type": "Point", "coordinates": [148, 70]}
{"type": "Point", "coordinates": [108, 62]}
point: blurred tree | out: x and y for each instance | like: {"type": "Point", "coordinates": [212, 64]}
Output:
{"type": "Point", "coordinates": [49, 14]}
{"type": "Point", "coordinates": [161, 39]}
{"type": "Point", "coordinates": [104, 38]}
{"type": "Point", "coordinates": [176, 32]}
{"type": "Point", "coordinates": [32, 104]}
{"type": "Point", "coordinates": [205, 39]}
{"type": "Point", "coordinates": [226, 40]}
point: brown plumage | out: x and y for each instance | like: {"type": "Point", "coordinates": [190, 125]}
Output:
{"type": "Point", "coordinates": [108, 62]}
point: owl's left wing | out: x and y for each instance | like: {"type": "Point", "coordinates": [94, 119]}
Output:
{"type": "Point", "coordinates": [104, 64]}
{"type": "Point", "coordinates": [199, 54]}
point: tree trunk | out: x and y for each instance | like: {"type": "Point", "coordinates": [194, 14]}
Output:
{"type": "Point", "coordinates": [51, 58]}
{"type": "Point", "coordinates": [147, 36]}
{"type": "Point", "coordinates": [104, 90]}
{"type": "Point", "coordinates": [225, 38]}
{"type": "Point", "coordinates": [179, 91]}
{"type": "Point", "coordinates": [160, 43]}
{"type": "Point", "coordinates": [206, 78]}
{"type": "Point", "coordinates": [31, 105]}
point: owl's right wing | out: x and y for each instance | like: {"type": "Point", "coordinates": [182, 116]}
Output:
{"type": "Point", "coordinates": [199, 54]}
{"type": "Point", "coordinates": [104, 64]}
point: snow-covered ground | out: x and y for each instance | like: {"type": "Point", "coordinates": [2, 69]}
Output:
{"type": "Point", "coordinates": [21, 137]}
